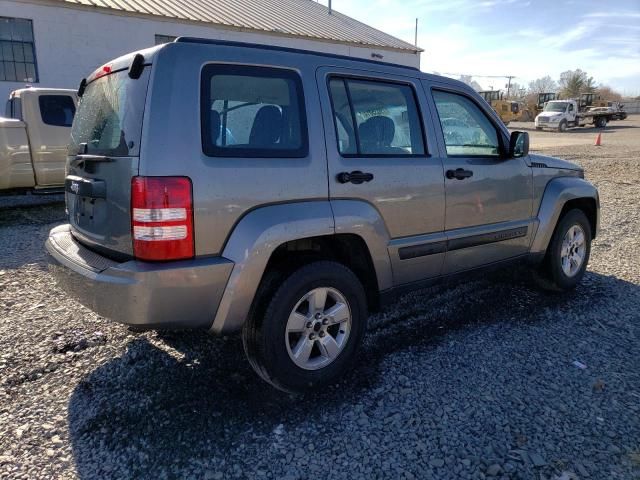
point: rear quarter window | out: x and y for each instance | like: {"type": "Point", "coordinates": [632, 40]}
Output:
{"type": "Point", "coordinates": [57, 110]}
{"type": "Point", "coordinates": [252, 112]}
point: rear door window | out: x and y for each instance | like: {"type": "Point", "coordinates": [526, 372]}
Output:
{"type": "Point", "coordinates": [252, 112]}
{"type": "Point", "coordinates": [57, 110]}
{"type": "Point", "coordinates": [375, 118]}
{"type": "Point", "coordinates": [109, 117]}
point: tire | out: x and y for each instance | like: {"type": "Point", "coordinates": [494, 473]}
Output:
{"type": "Point", "coordinates": [270, 342]}
{"type": "Point", "coordinates": [554, 269]}
{"type": "Point", "coordinates": [563, 126]}
{"type": "Point", "coordinates": [601, 122]}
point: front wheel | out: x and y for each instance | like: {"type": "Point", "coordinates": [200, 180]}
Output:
{"type": "Point", "coordinates": [563, 126]}
{"type": "Point", "coordinates": [568, 252]}
{"type": "Point", "coordinates": [311, 328]}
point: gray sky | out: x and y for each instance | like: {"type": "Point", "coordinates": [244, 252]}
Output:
{"type": "Point", "coordinates": [528, 39]}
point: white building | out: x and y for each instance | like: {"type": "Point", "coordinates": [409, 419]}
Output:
{"type": "Point", "coordinates": [55, 43]}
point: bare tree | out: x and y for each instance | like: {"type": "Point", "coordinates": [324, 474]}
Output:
{"type": "Point", "coordinates": [516, 90]}
{"type": "Point", "coordinates": [543, 85]}
{"type": "Point", "coordinates": [575, 82]}
{"type": "Point", "coordinates": [609, 94]}
{"type": "Point", "coordinates": [468, 79]}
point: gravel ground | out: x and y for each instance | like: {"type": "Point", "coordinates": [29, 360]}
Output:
{"type": "Point", "coordinates": [470, 381]}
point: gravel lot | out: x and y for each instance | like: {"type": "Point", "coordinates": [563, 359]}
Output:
{"type": "Point", "coordinates": [469, 381]}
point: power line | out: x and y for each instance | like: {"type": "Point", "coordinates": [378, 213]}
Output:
{"type": "Point", "coordinates": [472, 75]}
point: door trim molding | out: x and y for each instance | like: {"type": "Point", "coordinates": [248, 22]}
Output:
{"type": "Point", "coordinates": [422, 250]}
{"type": "Point", "coordinates": [484, 238]}
{"type": "Point", "coordinates": [431, 248]}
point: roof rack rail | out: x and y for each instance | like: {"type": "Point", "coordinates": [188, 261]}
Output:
{"type": "Point", "coordinates": [229, 43]}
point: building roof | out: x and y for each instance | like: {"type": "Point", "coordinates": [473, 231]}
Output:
{"type": "Point", "coordinates": [302, 18]}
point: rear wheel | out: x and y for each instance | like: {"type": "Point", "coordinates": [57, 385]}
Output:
{"type": "Point", "coordinates": [601, 122]}
{"type": "Point", "coordinates": [310, 330]}
{"type": "Point", "coordinates": [568, 252]}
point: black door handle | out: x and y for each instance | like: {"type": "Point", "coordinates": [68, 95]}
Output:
{"type": "Point", "coordinates": [356, 177]}
{"type": "Point", "coordinates": [459, 174]}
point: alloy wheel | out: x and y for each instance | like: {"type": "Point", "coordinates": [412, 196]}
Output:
{"type": "Point", "coordinates": [573, 250]}
{"type": "Point", "coordinates": [318, 328]}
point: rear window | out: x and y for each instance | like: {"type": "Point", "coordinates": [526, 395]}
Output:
{"type": "Point", "coordinates": [252, 112]}
{"type": "Point", "coordinates": [109, 116]}
{"type": "Point", "coordinates": [57, 110]}
{"type": "Point", "coordinates": [14, 108]}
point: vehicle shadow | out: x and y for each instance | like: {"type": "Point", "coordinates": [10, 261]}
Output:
{"type": "Point", "coordinates": [194, 393]}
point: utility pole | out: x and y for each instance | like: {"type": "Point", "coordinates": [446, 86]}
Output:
{"type": "Point", "coordinates": [509, 84]}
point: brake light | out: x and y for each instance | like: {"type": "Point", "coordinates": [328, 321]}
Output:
{"type": "Point", "coordinates": [101, 72]}
{"type": "Point", "coordinates": [162, 218]}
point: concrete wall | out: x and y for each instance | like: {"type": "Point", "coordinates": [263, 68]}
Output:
{"type": "Point", "coordinates": [70, 43]}
{"type": "Point", "coordinates": [631, 106]}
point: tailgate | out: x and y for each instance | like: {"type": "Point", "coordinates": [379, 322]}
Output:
{"type": "Point", "coordinates": [103, 157]}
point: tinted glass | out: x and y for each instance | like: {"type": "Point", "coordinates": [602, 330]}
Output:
{"type": "Point", "coordinates": [252, 112]}
{"type": "Point", "coordinates": [385, 115]}
{"type": "Point", "coordinates": [14, 108]}
{"type": "Point", "coordinates": [109, 116]}
{"type": "Point", "coordinates": [17, 51]}
{"type": "Point", "coordinates": [57, 110]}
{"type": "Point", "coordinates": [343, 118]}
{"type": "Point", "coordinates": [467, 130]}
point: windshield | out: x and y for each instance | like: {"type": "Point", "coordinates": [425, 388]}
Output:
{"type": "Point", "coordinates": [555, 107]}
{"type": "Point", "coordinates": [109, 116]}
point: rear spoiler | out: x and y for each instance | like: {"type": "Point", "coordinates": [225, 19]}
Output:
{"type": "Point", "coordinates": [135, 70]}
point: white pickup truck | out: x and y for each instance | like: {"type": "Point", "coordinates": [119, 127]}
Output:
{"type": "Point", "coordinates": [563, 114]}
{"type": "Point", "coordinates": [34, 138]}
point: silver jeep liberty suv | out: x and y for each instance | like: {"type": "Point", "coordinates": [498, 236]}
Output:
{"type": "Point", "coordinates": [286, 193]}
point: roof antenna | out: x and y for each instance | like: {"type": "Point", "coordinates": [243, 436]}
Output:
{"type": "Point", "coordinates": [416, 35]}
{"type": "Point", "coordinates": [329, 7]}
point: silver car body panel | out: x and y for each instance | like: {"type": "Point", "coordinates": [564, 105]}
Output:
{"type": "Point", "coordinates": [558, 191]}
{"type": "Point", "coordinates": [493, 208]}
{"type": "Point", "coordinates": [251, 244]}
{"type": "Point", "coordinates": [181, 294]}
{"type": "Point", "coordinates": [362, 219]}
{"type": "Point", "coordinates": [407, 192]}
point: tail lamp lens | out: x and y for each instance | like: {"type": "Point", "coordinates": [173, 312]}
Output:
{"type": "Point", "coordinates": [162, 218]}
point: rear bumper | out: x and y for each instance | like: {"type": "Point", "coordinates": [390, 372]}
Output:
{"type": "Point", "coordinates": [182, 294]}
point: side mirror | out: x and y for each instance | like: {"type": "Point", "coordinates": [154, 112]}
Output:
{"type": "Point", "coordinates": [518, 144]}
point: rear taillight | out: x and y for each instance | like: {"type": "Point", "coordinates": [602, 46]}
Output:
{"type": "Point", "coordinates": [162, 218]}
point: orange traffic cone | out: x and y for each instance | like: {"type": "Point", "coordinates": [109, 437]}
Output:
{"type": "Point", "coordinates": [598, 140]}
